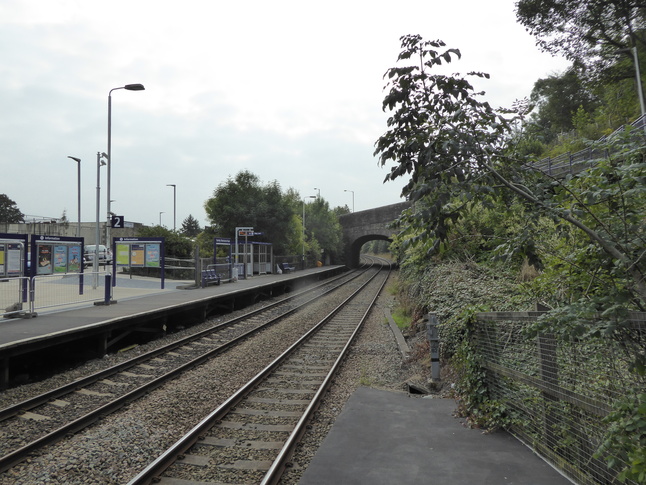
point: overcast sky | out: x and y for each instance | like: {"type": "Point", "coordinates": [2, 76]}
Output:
{"type": "Point", "coordinates": [289, 90]}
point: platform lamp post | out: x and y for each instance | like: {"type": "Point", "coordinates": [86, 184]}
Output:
{"type": "Point", "coordinates": [174, 205]}
{"type": "Point", "coordinates": [78, 171]}
{"type": "Point", "coordinates": [303, 256]}
{"type": "Point", "coordinates": [319, 192]}
{"type": "Point", "coordinates": [100, 162]}
{"type": "Point", "coordinates": [160, 218]}
{"type": "Point", "coordinates": [127, 87]}
{"type": "Point", "coordinates": [352, 197]}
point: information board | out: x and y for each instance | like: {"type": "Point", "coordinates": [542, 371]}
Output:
{"type": "Point", "coordinates": [74, 259]}
{"type": "Point", "coordinates": [44, 252]}
{"type": "Point", "coordinates": [60, 259]}
{"type": "Point", "coordinates": [123, 254]}
{"type": "Point", "coordinates": [152, 256]}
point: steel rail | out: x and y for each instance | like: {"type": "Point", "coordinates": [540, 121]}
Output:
{"type": "Point", "coordinates": [13, 458]}
{"type": "Point", "coordinates": [277, 468]}
{"type": "Point", "coordinates": [152, 472]}
{"type": "Point", "coordinates": [39, 400]}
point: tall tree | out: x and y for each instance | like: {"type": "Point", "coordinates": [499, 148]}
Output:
{"type": "Point", "coordinates": [580, 30]}
{"type": "Point", "coordinates": [9, 212]}
{"type": "Point", "coordinates": [322, 224]}
{"type": "Point", "coordinates": [455, 150]}
{"type": "Point", "coordinates": [190, 227]}
{"type": "Point", "coordinates": [243, 201]}
{"type": "Point", "coordinates": [558, 98]}
{"type": "Point", "coordinates": [175, 245]}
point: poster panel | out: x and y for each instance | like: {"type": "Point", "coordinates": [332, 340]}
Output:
{"type": "Point", "coordinates": [44, 252]}
{"type": "Point", "coordinates": [123, 254]}
{"type": "Point", "coordinates": [152, 256]}
{"type": "Point", "coordinates": [13, 260]}
{"type": "Point", "coordinates": [2, 265]}
{"type": "Point", "coordinates": [137, 254]}
{"type": "Point", "coordinates": [74, 259]}
{"type": "Point", "coordinates": [60, 259]}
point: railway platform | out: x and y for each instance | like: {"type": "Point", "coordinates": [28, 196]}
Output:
{"type": "Point", "coordinates": [385, 438]}
{"type": "Point", "coordinates": [141, 306]}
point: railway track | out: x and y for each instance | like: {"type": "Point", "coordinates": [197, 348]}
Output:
{"type": "Point", "coordinates": [28, 426]}
{"type": "Point", "coordinates": [251, 436]}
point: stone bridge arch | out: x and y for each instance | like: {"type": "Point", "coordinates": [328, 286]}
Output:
{"type": "Point", "coordinates": [369, 225]}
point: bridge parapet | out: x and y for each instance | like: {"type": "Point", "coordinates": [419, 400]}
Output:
{"type": "Point", "coordinates": [369, 225]}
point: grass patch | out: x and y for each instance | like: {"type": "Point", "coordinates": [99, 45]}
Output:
{"type": "Point", "coordinates": [364, 380]}
{"type": "Point", "coordinates": [401, 317]}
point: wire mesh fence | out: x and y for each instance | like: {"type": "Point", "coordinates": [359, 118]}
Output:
{"type": "Point", "coordinates": [48, 291]}
{"type": "Point", "coordinates": [557, 391]}
{"type": "Point", "coordinates": [13, 295]}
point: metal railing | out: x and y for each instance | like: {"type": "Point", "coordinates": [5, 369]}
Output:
{"type": "Point", "coordinates": [575, 162]}
{"type": "Point", "coordinates": [23, 296]}
{"type": "Point", "coordinates": [13, 296]}
{"type": "Point", "coordinates": [49, 291]}
{"type": "Point", "coordinates": [556, 392]}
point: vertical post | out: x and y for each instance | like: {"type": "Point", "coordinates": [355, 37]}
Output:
{"type": "Point", "coordinates": [198, 266]}
{"type": "Point", "coordinates": [162, 253]}
{"type": "Point", "coordinates": [78, 205]}
{"type": "Point", "coordinates": [548, 361]}
{"type": "Point", "coordinates": [97, 237]}
{"type": "Point", "coordinates": [108, 289]}
{"type": "Point", "coordinates": [109, 162]}
{"type": "Point", "coordinates": [640, 90]}
{"type": "Point", "coordinates": [174, 205]}
{"type": "Point", "coordinates": [434, 341]}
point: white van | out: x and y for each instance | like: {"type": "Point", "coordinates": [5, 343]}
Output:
{"type": "Point", "coordinates": [105, 255]}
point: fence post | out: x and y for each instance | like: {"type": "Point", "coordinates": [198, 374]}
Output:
{"type": "Point", "coordinates": [549, 374]}
{"type": "Point", "coordinates": [198, 267]}
{"type": "Point", "coordinates": [434, 342]}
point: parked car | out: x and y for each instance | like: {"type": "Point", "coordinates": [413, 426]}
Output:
{"type": "Point", "coordinates": [105, 255]}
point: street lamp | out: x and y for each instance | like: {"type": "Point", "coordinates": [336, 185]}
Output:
{"type": "Point", "coordinates": [319, 196]}
{"type": "Point", "coordinates": [78, 225]}
{"type": "Point", "coordinates": [303, 256]}
{"type": "Point", "coordinates": [160, 218]}
{"type": "Point", "coordinates": [352, 197]}
{"type": "Point", "coordinates": [174, 205]}
{"type": "Point", "coordinates": [100, 161]}
{"type": "Point", "coordinates": [127, 87]}
{"type": "Point", "coordinates": [638, 76]}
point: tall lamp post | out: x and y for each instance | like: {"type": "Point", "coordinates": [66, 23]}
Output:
{"type": "Point", "coordinates": [127, 87]}
{"type": "Point", "coordinates": [160, 218]}
{"type": "Point", "coordinates": [174, 205]}
{"type": "Point", "coordinates": [352, 197]}
{"type": "Point", "coordinates": [100, 161]}
{"type": "Point", "coordinates": [78, 171]}
{"type": "Point", "coordinates": [640, 90]}
{"type": "Point", "coordinates": [319, 194]}
{"type": "Point", "coordinates": [303, 256]}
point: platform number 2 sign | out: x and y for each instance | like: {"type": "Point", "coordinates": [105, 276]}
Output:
{"type": "Point", "coordinates": [117, 222]}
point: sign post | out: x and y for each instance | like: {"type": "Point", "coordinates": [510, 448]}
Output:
{"type": "Point", "coordinates": [243, 231]}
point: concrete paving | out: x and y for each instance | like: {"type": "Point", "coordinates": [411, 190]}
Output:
{"type": "Point", "coordinates": [386, 438]}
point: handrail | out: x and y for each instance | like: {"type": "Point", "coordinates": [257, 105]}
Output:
{"type": "Point", "coordinates": [568, 160]}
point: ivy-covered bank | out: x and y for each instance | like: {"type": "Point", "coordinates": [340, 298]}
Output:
{"type": "Point", "coordinates": [591, 424]}
{"type": "Point", "coordinates": [454, 291]}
